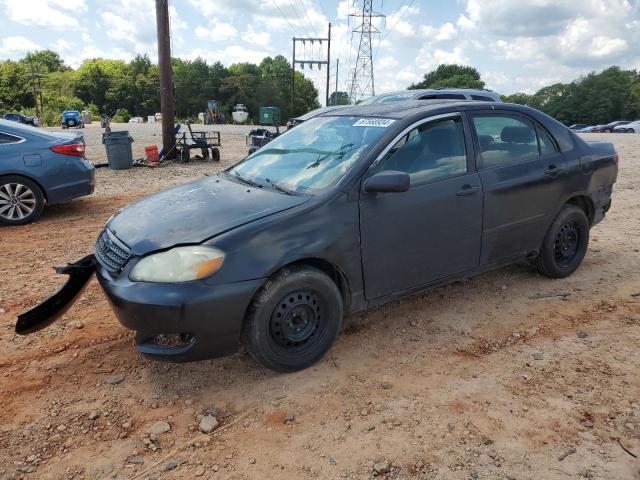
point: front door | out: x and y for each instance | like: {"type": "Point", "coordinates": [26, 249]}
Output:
{"type": "Point", "coordinates": [434, 229]}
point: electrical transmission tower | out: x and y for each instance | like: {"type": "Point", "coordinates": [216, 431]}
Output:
{"type": "Point", "coordinates": [362, 84]}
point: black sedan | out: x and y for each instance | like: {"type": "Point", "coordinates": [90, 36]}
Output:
{"type": "Point", "coordinates": [348, 210]}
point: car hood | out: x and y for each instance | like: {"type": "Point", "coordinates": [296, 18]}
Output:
{"type": "Point", "coordinates": [194, 212]}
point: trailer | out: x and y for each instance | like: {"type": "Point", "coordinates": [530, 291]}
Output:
{"type": "Point", "coordinates": [207, 142]}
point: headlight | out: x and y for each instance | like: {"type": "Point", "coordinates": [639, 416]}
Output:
{"type": "Point", "coordinates": [179, 264]}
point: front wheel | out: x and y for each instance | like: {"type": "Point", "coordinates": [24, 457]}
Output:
{"type": "Point", "coordinates": [294, 319]}
{"type": "Point", "coordinates": [565, 244]}
{"type": "Point", "coordinates": [21, 201]}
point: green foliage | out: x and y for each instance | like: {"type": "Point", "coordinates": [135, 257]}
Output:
{"type": "Point", "coordinates": [133, 88]}
{"type": "Point", "coordinates": [596, 98]}
{"type": "Point", "coordinates": [44, 61]}
{"type": "Point", "coordinates": [339, 98]}
{"type": "Point", "coordinates": [452, 76]}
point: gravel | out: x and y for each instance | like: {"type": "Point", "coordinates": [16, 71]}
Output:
{"type": "Point", "coordinates": [159, 428]}
{"type": "Point", "coordinates": [208, 424]}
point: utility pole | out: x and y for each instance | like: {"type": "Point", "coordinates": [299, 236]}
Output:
{"type": "Point", "coordinates": [335, 99]}
{"type": "Point", "coordinates": [310, 62]}
{"type": "Point", "coordinates": [362, 84]}
{"type": "Point", "coordinates": [36, 76]}
{"type": "Point", "coordinates": [326, 102]}
{"type": "Point", "coordinates": [167, 99]}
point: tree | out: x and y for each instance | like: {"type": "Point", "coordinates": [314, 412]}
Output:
{"type": "Point", "coordinates": [451, 75]}
{"type": "Point", "coordinates": [339, 98]}
{"type": "Point", "coordinates": [45, 61]}
{"type": "Point", "coordinates": [15, 86]}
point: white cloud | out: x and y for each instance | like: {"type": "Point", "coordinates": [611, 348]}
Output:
{"type": "Point", "coordinates": [16, 47]}
{"type": "Point", "coordinates": [41, 13]}
{"type": "Point", "coordinates": [216, 31]}
{"type": "Point", "coordinates": [259, 38]}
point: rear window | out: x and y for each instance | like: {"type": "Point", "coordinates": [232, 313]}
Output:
{"type": "Point", "coordinates": [7, 138]}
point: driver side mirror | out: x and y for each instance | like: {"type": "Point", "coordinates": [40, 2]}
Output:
{"type": "Point", "coordinates": [388, 182]}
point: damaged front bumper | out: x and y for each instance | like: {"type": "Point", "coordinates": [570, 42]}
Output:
{"type": "Point", "coordinates": [55, 306]}
{"type": "Point", "coordinates": [173, 321]}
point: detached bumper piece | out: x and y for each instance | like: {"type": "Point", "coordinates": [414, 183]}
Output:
{"type": "Point", "coordinates": [55, 306]}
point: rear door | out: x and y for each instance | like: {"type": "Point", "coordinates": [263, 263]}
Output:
{"type": "Point", "coordinates": [433, 230]}
{"type": "Point", "coordinates": [523, 176]}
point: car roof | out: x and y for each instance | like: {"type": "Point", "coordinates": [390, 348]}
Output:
{"type": "Point", "coordinates": [407, 108]}
{"type": "Point", "coordinates": [418, 92]}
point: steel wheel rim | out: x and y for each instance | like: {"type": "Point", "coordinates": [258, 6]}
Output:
{"type": "Point", "coordinates": [295, 321]}
{"type": "Point", "coordinates": [566, 244]}
{"type": "Point", "coordinates": [17, 201]}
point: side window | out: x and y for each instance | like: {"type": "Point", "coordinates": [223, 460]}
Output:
{"type": "Point", "coordinates": [482, 98]}
{"type": "Point", "coordinates": [444, 96]}
{"type": "Point", "coordinates": [546, 144]}
{"type": "Point", "coordinates": [6, 138]}
{"type": "Point", "coordinates": [430, 152]}
{"type": "Point", "coordinates": [505, 139]}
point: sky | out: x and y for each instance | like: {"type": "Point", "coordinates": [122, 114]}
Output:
{"type": "Point", "coordinates": [517, 45]}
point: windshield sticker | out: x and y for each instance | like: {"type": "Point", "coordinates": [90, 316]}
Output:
{"type": "Point", "coordinates": [373, 122]}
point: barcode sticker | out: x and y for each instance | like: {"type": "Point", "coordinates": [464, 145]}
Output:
{"type": "Point", "coordinates": [374, 122]}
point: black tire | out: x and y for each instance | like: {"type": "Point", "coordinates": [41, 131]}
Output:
{"type": "Point", "coordinates": [215, 154]}
{"type": "Point", "coordinates": [565, 244]}
{"type": "Point", "coordinates": [185, 155]}
{"type": "Point", "coordinates": [71, 123]}
{"type": "Point", "coordinates": [294, 319]}
{"type": "Point", "coordinates": [21, 200]}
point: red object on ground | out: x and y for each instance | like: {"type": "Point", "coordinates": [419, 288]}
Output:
{"type": "Point", "coordinates": [152, 153]}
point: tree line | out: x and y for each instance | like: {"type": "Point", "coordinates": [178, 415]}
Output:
{"type": "Point", "coordinates": [132, 88]}
{"type": "Point", "coordinates": [596, 98]}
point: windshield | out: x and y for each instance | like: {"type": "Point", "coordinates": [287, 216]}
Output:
{"type": "Point", "coordinates": [312, 156]}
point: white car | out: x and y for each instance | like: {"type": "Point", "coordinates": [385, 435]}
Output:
{"type": "Point", "coordinates": [136, 120]}
{"type": "Point", "coordinates": [633, 127]}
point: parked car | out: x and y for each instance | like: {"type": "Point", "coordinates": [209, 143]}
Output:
{"type": "Point", "coordinates": [18, 117]}
{"type": "Point", "coordinates": [578, 126]}
{"type": "Point", "coordinates": [292, 122]}
{"type": "Point", "coordinates": [586, 130]}
{"type": "Point", "coordinates": [349, 210]}
{"type": "Point", "coordinates": [434, 94]}
{"type": "Point", "coordinates": [37, 168]}
{"type": "Point", "coordinates": [608, 128]}
{"type": "Point", "coordinates": [72, 119]}
{"type": "Point", "coordinates": [405, 95]}
{"type": "Point", "coordinates": [136, 120]}
{"type": "Point", "coordinates": [631, 127]}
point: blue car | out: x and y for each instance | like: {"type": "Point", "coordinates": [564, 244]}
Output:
{"type": "Point", "coordinates": [72, 118]}
{"type": "Point", "coordinates": [37, 168]}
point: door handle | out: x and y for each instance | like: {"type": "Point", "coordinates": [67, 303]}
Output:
{"type": "Point", "coordinates": [467, 190]}
{"type": "Point", "coordinates": [553, 171]}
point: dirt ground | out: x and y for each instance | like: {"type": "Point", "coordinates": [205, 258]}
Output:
{"type": "Point", "coordinates": [482, 379]}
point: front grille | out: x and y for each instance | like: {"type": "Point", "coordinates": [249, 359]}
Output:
{"type": "Point", "coordinates": [111, 252]}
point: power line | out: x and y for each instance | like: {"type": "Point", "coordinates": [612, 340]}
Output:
{"type": "Point", "coordinates": [398, 19]}
{"type": "Point", "coordinates": [284, 16]}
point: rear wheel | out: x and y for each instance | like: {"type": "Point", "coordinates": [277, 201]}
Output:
{"type": "Point", "coordinates": [294, 319]}
{"type": "Point", "coordinates": [565, 244]}
{"type": "Point", "coordinates": [185, 155]}
{"type": "Point", "coordinates": [215, 154]}
{"type": "Point", "coordinates": [21, 200]}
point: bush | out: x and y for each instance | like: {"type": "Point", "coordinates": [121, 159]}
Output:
{"type": "Point", "coordinates": [121, 116]}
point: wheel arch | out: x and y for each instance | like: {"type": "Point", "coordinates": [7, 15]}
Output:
{"type": "Point", "coordinates": [42, 189]}
{"type": "Point", "coordinates": [334, 272]}
{"type": "Point", "coordinates": [585, 204]}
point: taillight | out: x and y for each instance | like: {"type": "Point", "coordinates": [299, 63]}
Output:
{"type": "Point", "coordinates": [615, 159]}
{"type": "Point", "coordinates": [73, 149]}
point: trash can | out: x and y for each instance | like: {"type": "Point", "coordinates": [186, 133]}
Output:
{"type": "Point", "coordinates": [118, 145]}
